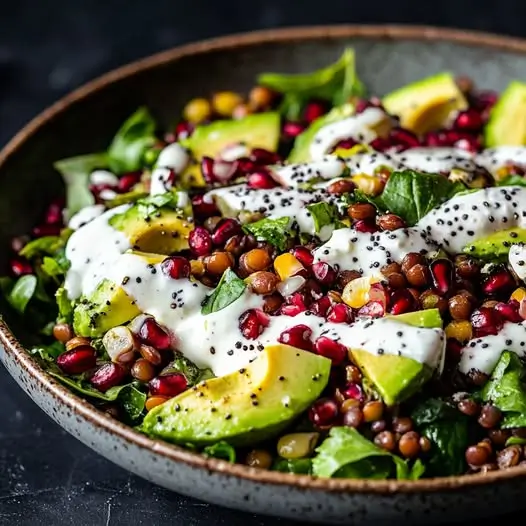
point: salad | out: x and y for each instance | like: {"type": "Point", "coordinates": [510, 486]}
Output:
{"type": "Point", "coordinates": [307, 279]}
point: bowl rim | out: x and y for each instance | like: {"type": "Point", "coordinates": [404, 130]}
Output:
{"type": "Point", "coordinates": [171, 452]}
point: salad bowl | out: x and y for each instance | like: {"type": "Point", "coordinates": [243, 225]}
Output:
{"type": "Point", "coordinates": [85, 121]}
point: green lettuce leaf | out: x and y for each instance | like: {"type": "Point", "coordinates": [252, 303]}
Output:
{"type": "Point", "coordinates": [221, 450]}
{"type": "Point", "coordinates": [276, 232]}
{"type": "Point", "coordinates": [192, 373]}
{"type": "Point", "coordinates": [22, 292]}
{"type": "Point", "coordinates": [512, 180]}
{"type": "Point", "coordinates": [299, 466]}
{"type": "Point", "coordinates": [47, 245]}
{"type": "Point", "coordinates": [323, 214]}
{"type": "Point", "coordinates": [228, 290]}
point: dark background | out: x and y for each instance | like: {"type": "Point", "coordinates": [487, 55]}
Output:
{"type": "Point", "coordinates": [47, 48]}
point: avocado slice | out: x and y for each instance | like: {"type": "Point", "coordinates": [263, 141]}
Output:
{"type": "Point", "coordinates": [496, 246]}
{"type": "Point", "coordinates": [250, 405]}
{"type": "Point", "coordinates": [507, 121]}
{"type": "Point", "coordinates": [301, 151]}
{"type": "Point", "coordinates": [426, 104]}
{"type": "Point", "coordinates": [398, 377]}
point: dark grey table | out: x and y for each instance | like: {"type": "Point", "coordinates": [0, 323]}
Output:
{"type": "Point", "coordinates": [48, 48]}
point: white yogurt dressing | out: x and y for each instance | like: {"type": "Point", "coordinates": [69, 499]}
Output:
{"type": "Point", "coordinates": [517, 259]}
{"type": "Point", "coordinates": [172, 160]}
{"type": "Point", "coordinates": [103, 177]}
{"type": "Point", "coordinates": [293, 175]}
{"type": "Point", "coordinates": [84, 216]}
{"type": "Point", "coordinates": [494, 158]}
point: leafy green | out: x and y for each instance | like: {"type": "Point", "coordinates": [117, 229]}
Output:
{"type": "Point", "coordinates": [65, 305]}
{"type": "Point", "coordinates": [48, 353]}
{"type": "Point", "coordinates": [43, 245]}
{"type": "Point", "coordinates": [299, 466]}
{"type": "Point", "coordinates": [361, 197]}
{"type": "Point", "coordinates": [76, 172]}
{"type": "Point", "coordinates": [507, 391]}
{"type": "Point", "coordinates": [228, 290]}
{"type": "Point", "coordinates": [135, 136]}
{"type": "Point", "coordinates": [221, 450]}
{"type": "Point", "coordinates": [147, 206]}
{"type": "Point", "coordinates": [515, 441]}
{"type": "Point", "coordinates": [512, 180]}
{"type": "Point", "coordinates": [274, 231]}
{"type": "Point", "coordinates": [22, 292]}
{"type": "Point", "coordinates": [192, 373]}
{"type": "Point", "coordinates": [55, 267]}
{"type": "Point", "coordinates": [128, 197]}
{"type": "Point", "coordinates": [323, 214]}
{"type": "Point", "coordinates": [447, 429]}
{"type": "Point", "coordinates": [335, 83]}
{"type": "Point", "coordinates": [345, 453]}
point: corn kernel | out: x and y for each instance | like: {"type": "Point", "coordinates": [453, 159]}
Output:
{"type": "Point", "coordinates": [356, 292]}
{"type": "Point", "coordinates": [460, 330]}
{"type": "Point", "coordinates": [225, 102]}
{"type": "Point", "coordinates": [368, 184]}
{"type": "Point", "coordinates": [286, 265]}
{"type": "Point", "coordinates": [518, 294]}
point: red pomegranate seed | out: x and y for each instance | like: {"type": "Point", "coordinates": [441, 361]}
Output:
{"type": "Point", "coordinates": [107, 376]}
{"type": "Point", "coordinates": [203, 209]}
{"type": "Point", "coordinates": [263, 157]}
{"type": "Point", "coordinates": [176, 267]}
{"type": "Point", "coordinates": [404, 137]}
{"type": "Point", "coordinates": [20, 267]}
{"type": "Point", "coordinates": [298, 336]}
{"type": "Point", "coordinates": [54, 213]}
{"type": "Point", "coordinates": [291, 310]}
{"type": "Point", "coordinates": [442, 274]}
{"type": "Point", "coordinates": [260, 181]}
{"type": "Point", "coordinates": [435, 139]}
{"type": "Point", "coordinates": [485, 321]}
{"type": "Point", "coordinates": [468, 120]}
{"type": "Point", "coordinates": [314, 110]}
{"type": "Point", "coordinates": [321, 307]}
{"type": "Point", "coordinates": [300, 299]}
{"type": "Point", "coordinates": [292, 129]}
{"type": "Point", "coordinates": [362, 104]}
{"type": "Point", "coordinates": [225, 229]}
{"type": "Point", "coordinates": [381, 144]}
{"type": "Point", "coordinates": [331, 349]}
{"type": "Point", "coordinates": [303, 255]}
{"type": "Point", "coordinates": [252, 323]}
{"type": "Point", "coordinates": [207, 169]}
{"type": "Point", "coordinates": [200, 241]}
{"type": "Point", "coordinates": [183, 130]}
{"type": "Point", "coordinates": [153, 334]}
{"type": "Point", "coordinates": [372, 309]}
{"type": "Point", "coordinates": [340, 313]}
{"type": "Point", "coordinates": [246, 166]}
{"type": "Point", "coordinates": [46, 230]}
{"type": "Point", "coordinates": [78, 360]}
{"type": "Point", "coordinates": [366, 225]}
{"type": "Point", "coordinates": [346, 144]}
{"type": "Point", "coordinates": [323, 412]}
{"type": "Point", "coordinates": [484, 100]}
{"type": "Point", "coordinates": [500, 282]}
{"type": "Point", "coordinates": [313, 288]}
{"type": "Point", "coordinates": [353, 391]}
{"type": "Point", "coordinates": [324, 273]}
{"type": "Point", "coordinates": [168, 384]}
{"type": "Point", "coordinates": [469, 143]}
{"type": "Point", "coordinates": [402, 301]}
{"type": "Point", "coordinates": [128, 181]}
{"type": "Point", "coordinates": [453, 349]}
{"type": "Point", "coordinates": [509, 311]}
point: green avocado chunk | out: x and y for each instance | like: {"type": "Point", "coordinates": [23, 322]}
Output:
{"type": "Point", "coordinates": [397, 377]}
{"type": "Point", "coordinates": [244, 407]}
{"type": "Point", "coordinates": [507, 121]}
{"type": "Point", "coordinates": [496, 246]}
{"type": "Point", "coordinates": [426, 104]}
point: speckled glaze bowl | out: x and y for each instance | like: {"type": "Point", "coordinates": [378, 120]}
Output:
{"type": "Point", "coordinates": [85, 120]}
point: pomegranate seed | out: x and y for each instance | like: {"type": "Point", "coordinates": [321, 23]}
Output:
{"type": "Point", "coordinates": [303, 255]}
{"type": "Point", "coordinates": [453, 349]}
{"type": "Point", "coordinates": [183, 130]}
{"type": "Point", "coordinates": [291, 310]}
{"type": "Point", "coordinates": [225, 229]}
{"type": "Point", "coordinates": [323, 412]}
{"type": "Point", "coordinates": [264, 157]}
{"type": "Point", "coordinates": [207, 169]}
{"type": "Point", "coordinates": [442, 274]}
{"type": "Point", "coordinates": [200, 241]}
{"type": "Point", "coordinates": [107, 376]}
{"type": "Point", "coordinates": [346, 144]}
{"type": "Point", "coordinates": [404, 137]}
{"type": "Point", "coordinates": [324, 273]}
{"type": "Point", "coordinates": [500, 282]}
{"type": "Point", "coordinates": [300, 299]}
{"type": "Point", "coordinates": [246, 166]}
{"type": "Point", "coordinates": [362, 104]}
{"type": "Point", "coordinates": [54, 213]}
{"type": "Point", "coordinates": [153, 334]}
{"type": "Point", "coordinates": [331, 349]}
{"type": "Point", "coordinates": [203, 209]}
{"type": "Point", "coordinates": [380, 144]}
{"type": "Point", "coordinates": [469, 143]}
{"type": "Point", "coordinates": [435, 139]}
{"type": "Point", "coordinates": [298, 336]}
{"type": "Point", "coordinates": [260, 181]}
{"type": "Point", "coordinates": [78, 360]}
{"type": "Point", "coordinates": [176, 267]}
{"type": "Point", "coordinates": [128, 181]}
{"type": "Point", "coordinates": [469, 120]}
{"type": "Point", "coordinates": [292, 129]}
{"type": "Point", "coordinates": [353, 391]}
{"type": "Point", "coordinates": [402, 301]}
{"type": "Point", "coordinates": [522, 308]}
{"type": "Point", "coordinates": [484, 100]}
{"type": "Point", "coordinates": [366, 225]}
{"type": "Point", "coordinates": [168, 384]}
{"type": "Point", "coordinates": [314, 110]}
{"type": "Point", "coordinates": [378, 292]}
{"type": "Point", "coordinates": [20, 267]}
{"type": "Point", "coordinates": [46, 230]}
{"type": "Point", "coordinates": [314, 289]}
{"type": "Point", "coordinates": [340, 313]}
{"type": "Point", "coordinates": [320, 307]}
{"type": "Point", "coordinates": [509, 311]}
{"type": "Point", "coordinates": [252, 323]}
{"type": "Point", "coordinates": [485, 321]}
{"type": "Point", "coordinates": [372, 309]}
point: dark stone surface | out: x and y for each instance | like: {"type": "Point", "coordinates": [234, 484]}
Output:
{"type": "Point", "coordinates": [48, 48]}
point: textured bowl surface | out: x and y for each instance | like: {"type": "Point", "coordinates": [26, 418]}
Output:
{"type": "Point", "coordinates": [84, 121]}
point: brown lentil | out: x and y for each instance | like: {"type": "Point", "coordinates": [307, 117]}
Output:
{"type": "Point", "coordinates": [519, 432]}
{"type": "Point", "coordinates": [460, 307]}
{"type": "Point", "coordinates": [77, 341]}
{"type": "Point", "coordinates": [254, 260]}
{"type": "Point", "coordinates": [468, 407]}
{"type": "Point", "coordinates": [397, 280]}
{"type": "Point", "coordinates": [373, 411]}
{"type": "Point", "coordinates": [262, 282]}
{"type": "Point", "coordinates": [477, 455]}
{"type": "Point", "coordinates": [197, 267]}
{"type": "Point", "coordinates": [63, 332]}
{"type": "Point", "coordinates": [343, 186]}
{"type": "Point", "coordinates": [353, 374]}
{"type": "Point", "coordinates": [418, 275]}
{"type": "Point", "coordinates": [151, 354]}
{"type": "Point", "coordinates": [412, 259]}
{"type": "Point", "coordinates": [409, 444]}
{"type": "Point", "coordinates": [425, 444]}
{"type": "Point", "coordinates": [154, 401]}
{"type": "Point", "coordinates": [489, 304]}
{"type": "Point", "coordinates": [385, 440]}
{"type": "Point", "coordinates": [297, 445]}
{"type": "Point", "coordinates": [272, 303]}
{"type": "Point", "coordinates": [378, 426]}
{"type": "Point", "coordinates": [260, 97]}
{"type": "Point", "coordinates": [346, 276]}
{"type": "Point", "coordinates": [402, 424]}
{"type": "Point", "coordinates": [334, 296]}
{"type": "Point", "coordinates": [390, 222]}
{"type": "Point", "coordinates": [218, 262]}
{"type": "Point", "coordinates": [489, 416]}
{"type": "Point", "coordinates": [361, 211]}
{"type": "Point", "coordinates": [259, 458]}
{"type": "Point", "coordinates": [392, 268]}
{"type": "Point", "coordinates": [498, 436]}
{"type": "Point", "coordinates": [466, 267]}
{"type": "Point", "coordinates": [414, 292]}
{"type": "Point", "coordinates": [353, 417]}
{"type": "Point", "coordinates": [509, 457]}
{"type": "Point", "coordinates": [348, 404]}
{"type": "Point", "coordinates": [431, 300]}
{"type": "Point", "coordinates": [143, 370]}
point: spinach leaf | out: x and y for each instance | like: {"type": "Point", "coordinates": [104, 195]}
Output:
{"type": "Point", "coordinates": [228, 290]}
{"type": "Point", "coordinates": [361, 197]}
{"type": "Point", "coordinates": [147, 206]}
{"type": "Point", "coordinates": [277, 232]}
{"type": "Point", "coordinates": [55, 267]}
{"type": "Point", "coordinates": [48, 353]}
{"type": "Point", "coordinates": [136, 135]}
{"type": "Point", "coordinates": [447, 429]}
{"type": "Point", "coordinates": [47, 245]}
{"type": "Point", "coordinates": [299, 466]}
{"type": "Point", "coordinates": [506, 390]}
{"type": "Point", "coordinates": [22, 292]}
{"type": "Point", "coordinates": [221, 450]}
{"type": "Point", "coordinates": [347, 453]}
{"type": "Point", "coordinates": [65, 305]}
{"type": "Point", "coordinates": [515, 441]}
{"type": "Point", "coordinates": [411, 195]}
{"type": "Point", "coordinates": [192, 373]}
{"type": "Point", "coordinates": [76, 171]}
{"type": "Point", "coordinates": [323, 214]}
{"type": "Point", "coordinates": [512, 180]}
{"type": "Point", "coordinates": [335, 83]}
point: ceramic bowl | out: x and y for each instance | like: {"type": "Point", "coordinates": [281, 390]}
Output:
{"type": "Point", "coordinates": [85, 120]}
